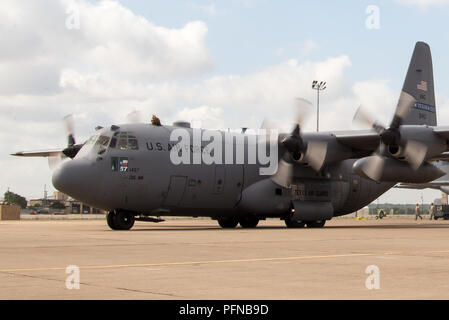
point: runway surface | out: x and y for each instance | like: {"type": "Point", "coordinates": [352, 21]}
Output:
{"type": "Point", "coordinates": [195, 259]}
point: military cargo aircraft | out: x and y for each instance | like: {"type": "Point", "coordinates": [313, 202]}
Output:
{"type": "Point", "coordinates": [132, 170]}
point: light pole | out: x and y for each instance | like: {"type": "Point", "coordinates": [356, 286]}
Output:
{"type": "Point", "coordinates": [318, 86]}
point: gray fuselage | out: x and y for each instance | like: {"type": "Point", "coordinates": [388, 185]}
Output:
{"type": "Point", "coordinates": [136, 173]}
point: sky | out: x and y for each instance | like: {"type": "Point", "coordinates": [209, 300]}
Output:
{"type": "Point", "coordinates": [228, 64]}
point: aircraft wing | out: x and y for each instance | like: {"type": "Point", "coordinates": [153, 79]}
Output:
{"type": "Point", "coordinates": [441, 157]}
{"type": "Point", "coordinates": [430, 185]}
{"type": "Point", "coordinates": [38, 153]}
{"type": "Point", "coordinates": [359, 140]}
{"type": "Point", "coordinates": [442, 131]}
{"type": "Point", "coordinates": [369, 141]}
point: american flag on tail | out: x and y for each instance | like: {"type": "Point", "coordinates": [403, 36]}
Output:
{"type": "Point", "coordinates": [422, 86]}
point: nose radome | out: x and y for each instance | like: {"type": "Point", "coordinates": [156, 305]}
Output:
{"type": "Point", "coordinates": [78, 179]}
{"type": "Point", "coordinates": [59, 177]}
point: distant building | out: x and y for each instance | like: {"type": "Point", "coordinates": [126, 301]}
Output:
{"type": "Point", "coordinates": [444, 198]}
{"type": "Point", "coordinates": [60, 196]}
{"type": "Point", "coordinates": [71, 205]}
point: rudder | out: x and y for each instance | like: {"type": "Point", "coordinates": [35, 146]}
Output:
{"type": "Point", "coordinates": [419, 83]}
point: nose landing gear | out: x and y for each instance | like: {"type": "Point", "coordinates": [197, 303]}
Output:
{"type": "Point", "coordinates": [120, 220]}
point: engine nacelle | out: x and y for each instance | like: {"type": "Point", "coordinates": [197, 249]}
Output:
{"type": "Point", "coordinates": [445, 189]}
{"type": "Point", "coordinates": [395, 151]}
{"type": "Point", "coordinates": [394, 170]}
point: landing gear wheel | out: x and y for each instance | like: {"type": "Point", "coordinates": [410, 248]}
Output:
{"type": "Point", "coordinates": [249, 222]}
{"type": "Point", "coordinates": [110, 219]}
{"type": "Point", "coordinates": [294, 223]}
{"type": "Point", "coordinates": [228, 223]}
{"type": "Point", "coordinates": [123, 220]}
{"type": "Point", "coordinates": [316, 224]}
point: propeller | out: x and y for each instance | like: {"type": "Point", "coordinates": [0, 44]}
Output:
{"type": "Point", "coordinates": [414, 152]}
{"type": "Point", "coordinates": [68, 120]}
{"type": "Point", "coordinates": [72, 148]}
{"type": "Point", "coordinates": [55, 158]}
{"type": "Point", "coordinates": [313, 153]}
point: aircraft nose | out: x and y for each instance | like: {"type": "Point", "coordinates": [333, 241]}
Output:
{"type": "Point", "coordinates": [77, 178]}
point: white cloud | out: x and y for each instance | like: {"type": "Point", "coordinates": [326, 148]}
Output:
{"type": "Point", "coordinates": [36, 45]}
{"type": "Point", "coordinates": [202, 117]}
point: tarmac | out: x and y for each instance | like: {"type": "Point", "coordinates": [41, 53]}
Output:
{"type": "Point", "coordinates": [195, 259]}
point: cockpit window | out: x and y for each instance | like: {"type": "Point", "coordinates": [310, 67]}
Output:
{"type": "Point", "coordinates": [96, 143]}
{"type": "Point", "coordinates": [102, 141]}
{"type": "Point", "coordinates": [124, 141]}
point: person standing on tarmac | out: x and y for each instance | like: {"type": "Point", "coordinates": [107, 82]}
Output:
{"type": "Point", "coordinates": [417, 212]}
{"type": "Point", "coordinates": [432, 211]}
{"type": "Point", "coordinates": [380, 214]}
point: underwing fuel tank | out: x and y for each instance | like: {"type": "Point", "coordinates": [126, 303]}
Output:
{"type": "Point", "coordinates": [393, 170]}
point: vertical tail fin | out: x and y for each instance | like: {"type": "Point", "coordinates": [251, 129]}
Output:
{"type": "Point", "coordinates": [419, 84]}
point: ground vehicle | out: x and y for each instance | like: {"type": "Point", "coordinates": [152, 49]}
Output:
{"type": "Point", "coordinates": [442, 212]}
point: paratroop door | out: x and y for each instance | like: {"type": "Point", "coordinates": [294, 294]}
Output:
{"type": "Point", "coordinates": [175, 190]}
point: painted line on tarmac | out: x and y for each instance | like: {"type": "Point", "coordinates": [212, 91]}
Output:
{"type": "Point", "coordinates": [116, 266]}
{"type": "Point", "coordinates": [167, 264]}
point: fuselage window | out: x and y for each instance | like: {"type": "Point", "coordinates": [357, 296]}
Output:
{"type": "Point", "coordinates": [102, 143]}
{"type": "Point", "coordinates": [124, 141]}
{"type": "Point", "coordinates": [132, 143]}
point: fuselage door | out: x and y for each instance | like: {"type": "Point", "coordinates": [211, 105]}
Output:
{"type": "Point", "coordinates": [175, 191]}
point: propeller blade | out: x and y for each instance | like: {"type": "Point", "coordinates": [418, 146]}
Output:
{"type": "Point", "coordinates": [284, 175]}
{"type": "Point", "coordinates": [405, 103]}
{"type": "Point", "coordinates": [69, 130]}
{"type": "Point", "coordinates": [316, 154]}
{"type": "Point", "coordinates": [374, 167]}
{"type": "Point", "coordinates": [134, 117]}
{"type": "Point", "coordinates": [54, 159]}
{"type": "Point", "coordinates": [269, 127]}
{"type": "Point", "coordinates": [303, 108]}
{"type": "Point", "coordinates": [363, 117]}
{"type": "Point", "coordinates": [415, 153]}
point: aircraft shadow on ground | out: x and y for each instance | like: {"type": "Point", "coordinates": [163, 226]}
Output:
{"type": "Point", "coordinates": [261, 228]}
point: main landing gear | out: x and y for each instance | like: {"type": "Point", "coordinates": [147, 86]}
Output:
{"type": "Point", "coordinates": [120, 220]}
{"type": "Point", "coordinates": [232, 222]}
{"type": "Point", "coordinates": [301, 224]}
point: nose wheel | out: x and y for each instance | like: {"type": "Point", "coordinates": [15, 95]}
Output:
{"type": "Point", "coordinates": [120, 220]}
